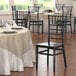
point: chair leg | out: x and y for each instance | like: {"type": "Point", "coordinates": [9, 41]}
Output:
{"type": "Point", "coordinates": [56, 29]}
{"type": "Point", "coordinates": [33, 27]}
{"type": "Point", "coordinates": [48, 57]}
{"type": "Point", "coordinates": [64, 56]}
{"type": "Point", "coordinates": [71, 27]}
{"type": "Point", "coordinates": [38, 28]}
{"type": "Point", "coordinates": [42, 27]}
{"type": "Point", "coordinates": [74, 25]}
{"type": "Point", "coordinates": [66, 27]}
{"type": "Point", "coordinates": [54, 60]}
{"type": "Point", "coordinates": [29, 25]}
{"type": "Point", "coordinates": [36, 57]}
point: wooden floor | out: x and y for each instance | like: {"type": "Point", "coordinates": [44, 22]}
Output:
{"type": "Point", "coordinates": [70, 47]}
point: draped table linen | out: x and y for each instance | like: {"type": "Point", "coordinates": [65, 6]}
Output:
{"type": "Point", "coordinates": [16, 51]}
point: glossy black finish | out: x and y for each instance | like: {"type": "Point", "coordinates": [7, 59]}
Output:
{"type": "Point", "coordinates": [55, 40]}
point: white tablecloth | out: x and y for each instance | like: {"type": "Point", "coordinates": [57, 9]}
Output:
{"type": "Point", "coordinates": [16, 51]}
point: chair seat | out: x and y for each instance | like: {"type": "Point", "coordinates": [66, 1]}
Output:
{"type": "Point", "coordinates": [52, 44]}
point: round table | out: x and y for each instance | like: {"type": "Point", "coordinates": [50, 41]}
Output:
{"type": "Point", "coordinates": [16, 51]}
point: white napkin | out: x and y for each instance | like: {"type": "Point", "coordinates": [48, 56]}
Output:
{"type": "Point", "coordinates": [56, 10]}
{"type": "Point", "coordinates": [7, 26]}
{"type": "Point", "coordinates": [14, 24]}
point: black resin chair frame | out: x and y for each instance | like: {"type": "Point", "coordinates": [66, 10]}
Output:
{"type": "Point", "coordinates": [56, 47]}
{"type": "Point", "coordinates": [67, 11]}
{"type": "Point", "coordinates": [37, 21]}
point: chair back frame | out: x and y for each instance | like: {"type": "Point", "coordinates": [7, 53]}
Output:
{"type": "Point", "coordinates": [67, 10]}
{"type": "Point", "coordinates": [59, 7]}
{"type": "Point", "coordinates": [21, 18]}
{"type": "Point", "coordinates": [33, 13]}
{"type": "Point", "coordinates": [56, 25]}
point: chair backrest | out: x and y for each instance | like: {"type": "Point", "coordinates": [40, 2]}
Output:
{"type": "Point", "coordinates": [13, 7]}
{"type": "Point", "coordinates": [13, 12]}
{"type": "Point", "coordinates": [56, 26]}
{"type": "Point", "coordinates": [59, 7]}
{"type": "Point", "coordinates": [21, 18]}
{"type": "Point", "coordinates": [67, 10]}
{"type": "Point", "coordinates": [21, 14]}
{"type": "Point", "coordinates": [33, 13]}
